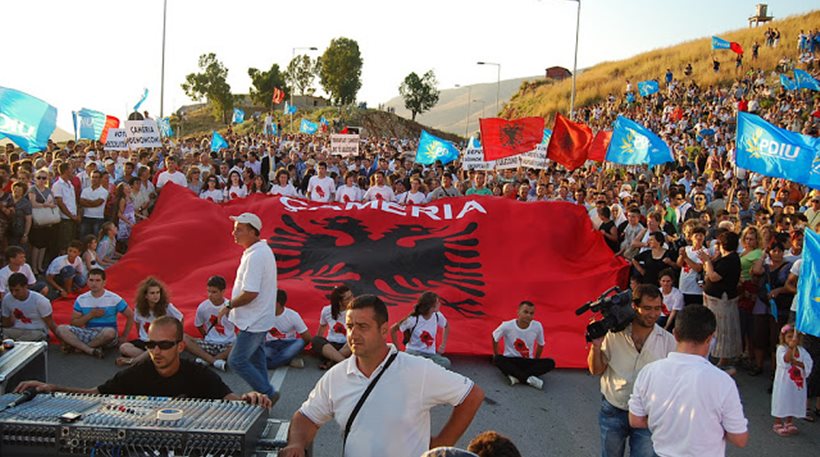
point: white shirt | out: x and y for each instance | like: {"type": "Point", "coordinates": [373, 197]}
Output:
{"type": "Point", "coordinates": [688, 277]}
{"type": "Point", "coordinates": [59, 262]}
{"type": "Point", "coordinates": [690, 405]}
{"type": "Point", "coordinates": [423, 331]}
{"type": "Point", "coordinates": [286, 326]}
{"type": "Point", "coordinates": [624, 362]}
{"type": "Point", "coordinates": [256, 273]}
{"type": "Point", "coordinates": [796, 267]}
{"type": "Point", "coordinates": [215, 195]}
{"type": "Point", "coordinates": [65, 190]}
{"type": "Point", "coordinates": [234, 192]}
{"type": "Point", "coordinates": [176, 177]}
{"type": "Point", "coordinates": [94, 212]}
{"type": "Point", "coordinates": [519, 342]}
{"type": "Point", "coordinates": [411, 198]}
{"type": "Point", "coordinates": [287, 191]}
{"type": "Point", "coordinates": [218, 332]}
{"type": "Point", "coordinates": [6, 272]}
{"type": "Point", "coordinates": [347, 193]}
{"type": "Point", "coordinates": [379, 193]}
{"type": "Point", "coordinates": [411, 386]}
{"type": "Point", "coordinates": [143, 322]}
{"type": "Point", "coordinates": [336, 330]}
{"type": "Point", "coordinates": [321, 189]}
{"type": "Point", "coordinates": [672, 301]}
{"type": "Point", "coordinates": [27, 314]}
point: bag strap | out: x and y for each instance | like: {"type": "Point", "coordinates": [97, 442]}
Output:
{"type": "Point", "coordinates": [363, 398]}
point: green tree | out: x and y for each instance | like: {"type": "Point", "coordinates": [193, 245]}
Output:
{"type": "Point", "coordinates": [212, 85]}
{"type": "Point", "coordinates": [419, 94]}
{"type": "Point", "coordinates": [341, 70]}
{"type": "Point", "coordinates": [263, 83]}
{"type": "Point", "coordinates": [301, 73]}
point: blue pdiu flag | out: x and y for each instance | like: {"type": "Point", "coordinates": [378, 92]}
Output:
{"type": "Point", "coordinates": [323, 121]}
{"type": "Point", "coordinates": [89, 124]}
{"type": "Point", "coordinates": [630, 97]}
{"type": "Point", "coordinates": [647, 88]}
{"type": "Point", "coordinates": [474, 143]}
{"type": "Point", "coordinates": [772, 151]}
{"type": "Point", "coordinates": [720, 43]}
{"type": "Point", "coordinates": [165, 128]}
{"type": "Point", "coordinates": [808, 287]}
{"type": "Point", "coordinates": [545, 139]}
{"type": "Point", "coordinates": [787, 82]}
{"type": "Point", "coordinates": [144, 96]}
{"type": "Point", "coordinates": [803, 80]}
{"type": "Point", "coordinates": [27, 121]}
{"type": "Point", "coordinates": [432, 148]}
{"type": "Point", "coordinates": [309, 127]}
{"type": "Point", "coordinates": [238, 116]}
{"type": "Point", "coordinates": [289, 109]}
{"type": "Point", "coordinates": [217, 142]}
{"type": "Point", "coordinates": [634, 144]}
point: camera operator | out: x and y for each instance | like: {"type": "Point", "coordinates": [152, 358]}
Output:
{"type": "Point", "coordinates": [618, 357]}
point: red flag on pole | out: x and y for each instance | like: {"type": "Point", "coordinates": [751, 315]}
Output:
{"type": "Point", "coordinates": [597, 151]}
{"type": "Point", "coordinates": [502, 138]}
{"type": "Point", "coordinates": [570, 142]}
{"type": "Point", "coordinates": [278, 96]}
{"type": "Point", "coordinates": [111, 122]}
{"type": "Point", "coordinates": [736, 47]}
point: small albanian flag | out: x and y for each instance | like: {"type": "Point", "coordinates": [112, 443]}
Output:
{"type": "Point", "coordinates": [278, 96]}
{"type": "Point", "coordinates": [570, 142]}
{"type": "Point", "coordinates": [502, 138]}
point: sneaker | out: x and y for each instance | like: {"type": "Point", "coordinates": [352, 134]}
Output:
{"type": "Point", "coordinates": [202, 362]}
{"type": "Point", "coordinates": [513, 380]}
{"type": "Point", "coordinates": [297, 363]}
{"type": "Point", "coordinates": [538, 383]}
{"type": "Point", "coordinates": [220, 365]}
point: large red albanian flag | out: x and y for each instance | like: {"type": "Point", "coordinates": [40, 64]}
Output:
{"type": "Point", "coordinates": [481, 255]}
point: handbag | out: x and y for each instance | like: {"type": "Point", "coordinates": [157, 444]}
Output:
{"type": "Point", "coordinates": [43, 217]}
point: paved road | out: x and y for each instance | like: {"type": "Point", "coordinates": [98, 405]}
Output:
{"type": "Point", "coordinates": [560, 421]}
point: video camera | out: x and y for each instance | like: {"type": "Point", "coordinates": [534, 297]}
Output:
{"type": "Point", "coordinates": [617, 311]}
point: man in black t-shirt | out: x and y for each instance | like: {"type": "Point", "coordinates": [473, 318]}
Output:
{"type": "Point", "coordinates": [164, 375]}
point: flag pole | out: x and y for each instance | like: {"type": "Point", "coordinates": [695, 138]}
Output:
{"type": "Point", "coordinates": [162, 72]}
{"type": "Point", "coordinates": [575, 62]}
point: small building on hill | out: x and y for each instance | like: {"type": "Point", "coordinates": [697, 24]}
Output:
{"type": "Point", "coordinates": [558, 73]}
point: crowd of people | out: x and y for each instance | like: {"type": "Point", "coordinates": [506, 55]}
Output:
{"type": "Point", "coordinates": [699, 231]}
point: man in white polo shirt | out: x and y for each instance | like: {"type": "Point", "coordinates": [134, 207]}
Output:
{"type": "Point", "coordinates": [171, 174]}
{"type": "Point", "coordinates": [252, 307]}
{"type": "Point", "coordinates": [692, 407]}
{"type": "Point", "coordinates": [394, 419]}
{"type": "Point", "coordinates": [92, 200]}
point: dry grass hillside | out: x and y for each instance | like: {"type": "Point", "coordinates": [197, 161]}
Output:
{"type": "Point", "coordinates": [542, 98]}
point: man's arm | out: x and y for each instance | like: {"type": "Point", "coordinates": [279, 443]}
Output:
{"type": "Point", "coordinates": [8, 322]}
{"type": "Point", "coordinates": [241, 300]}
{"type": "Point", "coordinates": [738, 439]}
{"type": "Point", "coordinates": [49, 388]}
{"type": "Point", "coordinates": [638, 421]}
{"type": "Point", "coordinates": [129, 322]}
{"type": "Point", "coordinates": [81, 320]}
{"type": "Point", "coordinates": [460, 419]}
{"type": "Point", "coordinates": [538, 349]}
{"type": "Point", "coordinates": [52, 283]}
{"type": "Point", "coordinates": [61, 205]}
{"type": "Point", "coordinates": [301, 433]}
{"type": "Point", "coordinates": [443, 345]}
{"type": "Point", "coordinates": [306, 336]}
{"type": "Point", "coordinates": [595, 360]}
{"type": "Point", "coordinates": [495, 348]}
{"type": "Point", "coordinates": [49, 320]}
{"type": "Point", "coordinates": [252, 398]}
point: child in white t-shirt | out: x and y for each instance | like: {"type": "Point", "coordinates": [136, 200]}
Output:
{"type": "Point", "coordinates": [333, 348]}
{"type": "Point", "coordinates": [790, 387]}
{"type": "Point", "coordinates": [217, 335]}
{"type": "Point", "coordinates": [287, 336]}
{"type": "Point", "coordinates": [420, 329]}
{"type": "Point", "coordinates": [672, 299]}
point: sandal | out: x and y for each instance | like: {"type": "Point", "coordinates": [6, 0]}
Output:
{"type": "Point", "coordinates": [98, 353]}
{"type": "Point", "coordinates": [791, 429]}
{"type": "Point", "coordinates": [123, 361]}
{"type": "Point", "coordinates": [780, 429]}
{"type": "Point", "coordinates": [811, 415]}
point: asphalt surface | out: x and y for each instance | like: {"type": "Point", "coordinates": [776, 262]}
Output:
{"type": "Point", "coordinates": [558, 421]}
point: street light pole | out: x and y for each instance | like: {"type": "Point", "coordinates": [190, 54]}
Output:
{"type": "Point", "coordinates": [162, 71]}
{"type": "Point", "coordinates": [293, 56]}
{"type": "Point", "coordinates": [575, 62]}
{"type": "Point", "coordinates": [467, 112]}
{"type": "Point", "coordinates": [483, 105]}
{"type": "Point", "coordinates": [497, 86]}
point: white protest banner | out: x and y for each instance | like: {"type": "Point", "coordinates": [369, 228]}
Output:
{"type": "Point", "coordinates": [142, 134]}
{"type": "Point", "coordinates": [506, 163]}
{"type": "Point", "coordinates": [537, 158]}
{"type": "Point", "coordinates": [116, 140]}
{"type": "Point", "coordinates": [473, 159]}
{"type": "Point", "coordinates": [344, 145]}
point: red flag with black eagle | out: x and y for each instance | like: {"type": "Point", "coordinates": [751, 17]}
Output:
{"type": "Point", "coordinates": [570, 142]}
{"type": "Point", "coordinates": [503, 138]}
{"type": "Point", "coordinates": [278, 96]}
{"type": "Point", "coordinates": [483, 256]}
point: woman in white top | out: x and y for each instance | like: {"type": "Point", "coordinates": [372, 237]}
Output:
{"type": "Point", "coordinates": [379, 190]}
{"type": "Point", "coordinates": [672, 299]}
{"type": "Point", "coordinates": [283, 185]}
{"type": "Point", "coordinates": [420, 328]}
{"type": "Point", "coordinates": [350, 191]}
{"type": "Point", "coordinates": [414, 196]}
{"type": "Point", "coordinates": [691, 277]}
{"type": "Point", "coordinates": [212, 191]}
{"type": "Point", "coordinates": [151, 303]}
{"type": "Point", "coordinates": [235, 188]}
{"type": "Point", "coordinates": [333, 348]}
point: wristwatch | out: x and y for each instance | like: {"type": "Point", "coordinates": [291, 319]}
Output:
{"type": "Point", "coordinates": [228, 305]}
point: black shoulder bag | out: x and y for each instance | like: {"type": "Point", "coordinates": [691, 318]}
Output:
{"type": "Point", "coordinates": [363, 398]}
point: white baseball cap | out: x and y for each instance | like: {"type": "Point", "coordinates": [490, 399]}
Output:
{"type": "Point", "coordinates": [250, 219]}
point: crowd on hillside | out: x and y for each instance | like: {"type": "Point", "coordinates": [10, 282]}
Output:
{"type": "Point", "coordinates": [701, 229]}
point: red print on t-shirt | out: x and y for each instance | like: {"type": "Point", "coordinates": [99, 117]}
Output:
{"type": "Point", "coordinates": [522, 348]}
{"type": "Point", "coordinates": [145, 326]}
{"type": "Point", "coordinates": [216, 325]}
{"type": "Point", "coordinates": [426, 338]}
{"type": "Point", "coordinates": [274, 332]}
{"type": "Point", "coordinates": [320, 191]}
{"type": "Point", "coordinates": [339, 328]}
{"type": "Point", "coordinates": [21, 317]}
{"type": "Point", "coordinates": [796, 374]}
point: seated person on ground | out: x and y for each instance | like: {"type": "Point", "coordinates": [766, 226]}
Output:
{"type": "Point", "coordinates": [287, 337]}
{"type": "Point", "coordinates": [16, 260]}
{"type": "Point", "coordinates": [65, 275]}
{"type": "Point", "coordinates": [151, 303]}
{"type": "Point", "coordinates": [217, 334]}
{"type": "Point", "coordinates": [420, 329]}
{"type": "Point", "coordinates": [26, 314]}
{"type": "Point", "coordinates": [333, 348]}
{"type": "Point", "coordinates": [523, 342]}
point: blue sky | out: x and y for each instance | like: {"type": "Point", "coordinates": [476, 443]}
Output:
{"type": "Point", "coordinates": [100, 54]}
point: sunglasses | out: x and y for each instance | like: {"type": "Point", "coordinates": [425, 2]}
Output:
{"type": "Point", "coordinates": [43, 178]}
{"type": "Point", "coordinates": [164, 345]}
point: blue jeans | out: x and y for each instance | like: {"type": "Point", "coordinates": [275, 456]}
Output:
{"type": "Point", "coordinates": [66, 273]}
{"type": "Point", "coordinates": [248, 360]}
{"type": "Point", "coordinates": [615, 429]}
{"type": "Point", "coordinates": [281, 352]}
